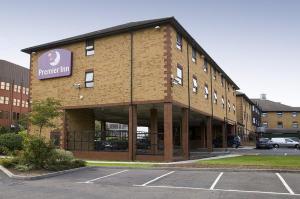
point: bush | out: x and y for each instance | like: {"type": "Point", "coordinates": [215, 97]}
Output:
{"type": "Point", "coordinates": [9, 163]}
{"type": "Point", "coordinates": [62, 160]}
{"type": "Point", "coordinates": [35, 151]}
{"type": "Point", "coordinates": [11, 141]}
{"type": "Point", "coordinates": [24, 167]}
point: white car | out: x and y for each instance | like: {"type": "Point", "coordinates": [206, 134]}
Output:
{"type": "Point", "coordinates": [284, 142]}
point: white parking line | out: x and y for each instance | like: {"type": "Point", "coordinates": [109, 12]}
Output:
{"type": "Point", "coordinates": [216, 181]}
{"type": "Point", "coordinates": [222, 190]}
{"type": "Point", "coordinates": [155, 179]}
{"type": "Point", "coordinates": [92, 181]}
{"type": "Point", "coordinates": [285, 184]}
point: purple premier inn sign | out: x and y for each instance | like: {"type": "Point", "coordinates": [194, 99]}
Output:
{"type": "Point", "coordinates": [55, 63]}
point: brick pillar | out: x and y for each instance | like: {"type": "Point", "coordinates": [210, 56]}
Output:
{"type": "Point", "coordinates": [168, 132]}
{"type": "Point", "coordinates": [224, 135]}
{"type": "Point", "coordinates": [185, 133]}
{"type": "Point", "coordinates": [103, 130]}
{"type": "Point", "coordinates": [209, 134]}
{"type": "Point", "coordinates": [132, 128]}
{"type": "Point", "coordinates": [153, 130]}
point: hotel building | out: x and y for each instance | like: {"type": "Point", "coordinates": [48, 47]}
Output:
{"type": "Point", "coordinates": [150, 74]}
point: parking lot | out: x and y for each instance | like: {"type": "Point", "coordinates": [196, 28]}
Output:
{"type": "Point", "coordinates": [155, 183]}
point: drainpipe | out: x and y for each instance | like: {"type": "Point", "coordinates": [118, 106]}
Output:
{"type": "Point", "coordinates": [131, 89]}
{"type": "Point", "coordinates": [189, 96]}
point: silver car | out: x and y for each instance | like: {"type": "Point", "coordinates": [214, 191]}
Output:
{"type": "Point", "coordinates": [284, 142]}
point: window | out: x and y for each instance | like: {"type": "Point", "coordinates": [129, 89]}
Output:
{"type": "Point", "coordinates": [205, 66]}
{"type": "Point", "coordinates": [206, 91]}
{"type": "Point", "coordinates": [179, 75]}
{"type": "Point", "coordinates": [223, 102]}
{"type": "Point", "coordinates": [19, 89]}
{"type": "Point", "coordinates": [15, 88]}
{"type": "Point", "coordinates": [23, 90]}
{"type": "Point", "coordinates": [7, 86]}
{"type": "Point", "coordinates": [194, 55]}
{"type": "Point", "coordinates": [27, 91]}
{"type": "Point", "coordinates": [26, 104]}
{"type": "Point", "coordinates": [214, 74]}
{"type": "Point", "coordinates": [222, 80]}
{"type": "Point", "coordinates": [179, 41]}
{"type": "Point", "coordinates": [89, 47]}
{"type": "Point", "coordinates": [253, 120]}
{"type": "Point", "coordinates": [279, 114]}
{"type": "Point", "coordinates": [1, 100]}
{"type": "Point", "coordinates": [229, 107]}
{"type": "Point", "coordinates": [279, 125]}
{"type": "Point", "coordinates": [195, 84]}
{"type": "Point", "coordinates": [264, 114]}
{"type": "Point", "coordinates": [89, 79]}
{"type": "Point", "coordinates": [18, 102]}
{"type": "Point", "coordinates": [233, 108]}
{"type": "Point", "coordinates": [23, 103]}
{"type": "Point", "coordinates": [6, 101]}
{"type": "Point", "coordinates": [294, 114]}
{"type": "Point", "coordinates": [295, 125]}
{"type": "Point", "coordinates": [215, 97]}
{"type": "Point", "coordinates": [265, 124]}
{"type": "Point", "coordinates": [15, 102]}
{"type": "Point", "coordinates": [2, 85]}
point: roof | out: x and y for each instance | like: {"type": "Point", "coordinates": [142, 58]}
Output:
{"type": "Point", "coordinates": [271, 106]}
{"type": "Point", "coordinates": [238, 93]}
{"type": "Point", "coordinates": [129, 27]}
{"type": "Point", "coordinates": [14, 73]}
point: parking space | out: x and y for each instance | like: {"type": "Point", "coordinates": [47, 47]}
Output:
{"type": "Point", "coordinates": [191, 183]}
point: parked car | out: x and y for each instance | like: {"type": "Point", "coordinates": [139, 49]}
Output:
{"type": "Point", "coordinates": [284, 142]}
{"type": "Point", "coordinates": [264, 143]}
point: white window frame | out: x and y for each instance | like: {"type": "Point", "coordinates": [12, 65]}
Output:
{"type": "Point", "coordinates": [179, 41]}
{"type": "Point", "coordinates": [206, 91]}
{"type": "Point", "coordinates": [1, 99]}
{"type": "Point", "coordinates": [195, 85]}
{"type": "Point", "coordinates": [6, 100]}
{"type": "Point", "coordinates": [89, 49]}
{"type": "Point", "coordinates": [89, 83]}
{"type": "Point", "coordinates": [215, 97]}
{"type": "Point", "coordinates": [194, 55]}
{"type": "Point", "coordinates": [2, 85]}
{"type": "Point", "coordinates": [205, 66]}
{"type": "Point", "coordinates": [7, 86]}
{"type": "Point", "coordinates": [223, 102]}
{"type": "Point", "coordinates": [179, 74]}
{"type": "Point", "coordinates": [294, 114]}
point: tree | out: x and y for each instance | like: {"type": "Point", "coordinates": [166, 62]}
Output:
{"type": "Point", "coordinates": [43, 112]}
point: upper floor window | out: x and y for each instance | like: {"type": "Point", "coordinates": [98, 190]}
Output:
{"type": "Point", "coordinates": [89, 47]}
{"type": "Point", "coordinates": [1, 100]}
{"type": "Point", "coordinates": [19, 89]}
{"type": "Point", "coordinates": [15, 102]}
{"type": "Point", "coordinates": [15, 88]}
{"type": "Point", "coordinates": [279, 125]}
{"type": "Point", "coordinates": [18, 102]}
{"type": "Point", "coordinates": [89, 79]}
{"type": "Point", "coordinates": [206, 91]}
{"type": "Point", "coordinates": [295, 125]}
{"type": "Point", "coordinates": [205, 66]}
{"type": "Point", "coordinates": [6, 100]}
{"type": "Point", "coordinates": [294, 114]}
{"type": "Point", "coordinates": [179, 75]}
{"type": "Point", "coordinates": [23, 90]}
{"type": "Point", "coordinates": [179, 41]}
{"type": "Point", "coordinates": [7, 85]}
{"type": "Point", "coordinates": [279, 114]}
{"type": "Point", "coordinates": [253, 120]}
{"type": "Point", "coordinates": [264, 114]}
{"type": "Point", "coordinates": [222, 80]}
{"type": "Point", "coordinates": [23, 103]}
{"type": "Point", "coordinates": [195, 84]}
{"type": "Point", "coordinates": [229, 107]}
{"type": "Point", "coordinates": [2, 85]}
{"type": "Point", "coordinates": [194, 55]}
{"type": "Point", "coordinates": [214, 74]}
{"type": "Point", "coordinates": [26, 104]}
{"type": "Point", "coordinates": [233, 108]}
{"type": "Point", "coordinates": [215, 97]}
{"type": "Point", "coordinates": [265, 124]}
{"type": "Point", "coordinates": [223, 102]}
{"type": "Point", "coordinates": [27, 91]}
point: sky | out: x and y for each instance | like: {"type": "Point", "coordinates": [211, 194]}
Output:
{"type": "Point", "coordinates": [257, 42]}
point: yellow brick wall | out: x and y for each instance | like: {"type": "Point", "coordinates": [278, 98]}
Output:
{"type": "Point", "coordinates": [287, 119]}
{"type": "Point", "coordinates": [244, 113]}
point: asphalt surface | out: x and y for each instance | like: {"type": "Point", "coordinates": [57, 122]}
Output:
{"type": "Point", "coordinates": [143, 184]}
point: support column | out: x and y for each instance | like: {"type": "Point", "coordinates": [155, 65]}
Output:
{"type": "Point", "coordinates": [153, 130]}
{"type": "Point", "coordinates": [103, 130]}
{"type": "Point", "coordinates": [224, 135]}
{"type": "Point", "coordinates": [209, 134]}
{"type": "Point", "coordinates": [185, 133]}
{"type": "Point", "coordinates": [168, 132]}
{"type": "Point", "coordinates": [132, 128]}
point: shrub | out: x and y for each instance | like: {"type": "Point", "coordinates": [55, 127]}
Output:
{"type": "Point", "coordinates": [35, 151]}
{"type": "Point", "coordinates": [11, 141]}
{"type": "Point", "coordinates": [9, 163]}
{"type": "Point", "coordinates": [24, 167]}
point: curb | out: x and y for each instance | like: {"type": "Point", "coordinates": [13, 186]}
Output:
{"type": "Point", "coordinates": [38, 177]}
{"type": "Point", "coordinates": [204, 169]}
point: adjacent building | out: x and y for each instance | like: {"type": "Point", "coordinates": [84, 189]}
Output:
{"type": "Point", "coordinates": [277, 119]}
{"type": "Point", "coordinates": [150, 74]}
{"type": "Point", "coordinates": [248, 117]}
{"type": "Point", "coordinates": [14, 92]}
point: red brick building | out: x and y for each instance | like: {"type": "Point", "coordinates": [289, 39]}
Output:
{"type": "Point", "coordinates": [14, 90]}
